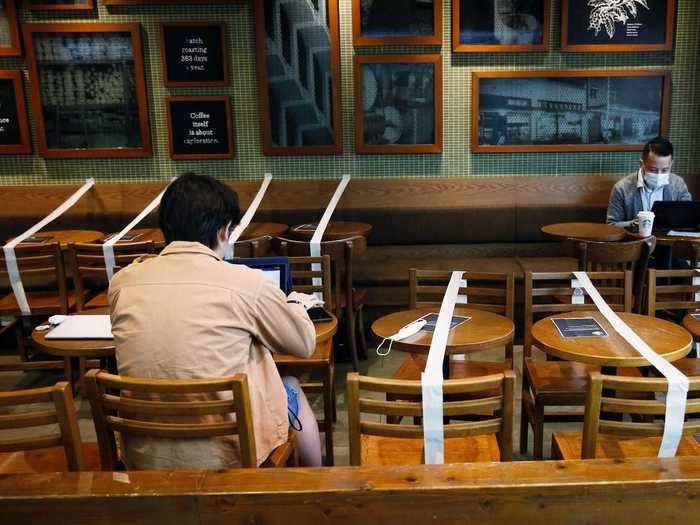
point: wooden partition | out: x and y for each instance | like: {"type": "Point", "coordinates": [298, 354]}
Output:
{"type": "Point", "coordinates": [642, 491]}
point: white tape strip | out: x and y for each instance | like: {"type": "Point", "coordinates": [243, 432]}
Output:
{"type": "Point", "coordinates": [431, 378]}
{"type": "Point", "coordinates": [315, 245]}
{"type": "Point", "coordinates": [247, 216]}
{"type": "Point", "coordinates": [108, 246]}
{"type": "Point", "coordinates": [577, 296]}
{"type": "Point", "coordinates": [9, 248]}
{"type": "Point", "coordinates": [677, 382]}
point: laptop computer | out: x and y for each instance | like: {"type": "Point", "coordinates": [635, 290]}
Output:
{"type": "Point", "coordinates": [676, 215]}
{"type": "Point", "coordinates": [275, 268]}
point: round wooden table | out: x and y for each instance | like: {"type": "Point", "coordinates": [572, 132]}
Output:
{"type": "Point", "coordinates": [263, 229]}
{"type": "Point", "coordinates": [483, 331]}
{"type": "Point", "coordinates": [669, 340]}
{"type": "Point", "coordinates": [588, 231]}
{"type": "Point", "coordinates": [692, 325]}
{"type": "Point", "coordinates": [334, 230]}
{"type": "Point", "coordinates": [63, 237]}
{"type": "Point", "coordinates": [144, 234]}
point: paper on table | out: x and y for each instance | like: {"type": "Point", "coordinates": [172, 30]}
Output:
{"type": "Point", "coordinates": [674, 233]}
{"type": "Point", "coordinates": [83, 327]}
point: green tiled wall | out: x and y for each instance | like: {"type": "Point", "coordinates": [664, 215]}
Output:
{"type": "Point", "coordinates": [456, 160]}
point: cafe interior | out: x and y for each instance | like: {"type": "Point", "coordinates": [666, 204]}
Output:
{"type": "Point", "coordinates": [482, 215]}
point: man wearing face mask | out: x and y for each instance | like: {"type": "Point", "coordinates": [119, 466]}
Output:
{"type": "Point", "coordinates": [653, 182]}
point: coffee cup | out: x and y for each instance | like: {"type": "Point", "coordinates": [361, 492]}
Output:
{"type": "Point", "coordinates": [646, 222]}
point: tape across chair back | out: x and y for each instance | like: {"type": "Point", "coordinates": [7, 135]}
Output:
{"type": "Point", "coordinates": [677, 395]}
{"type": "Point", "coordinates": [431, 378]}
{"type": "Point", "coordinates": [9, 248]}
{"type": "Point", "coordinates": [247, 216]}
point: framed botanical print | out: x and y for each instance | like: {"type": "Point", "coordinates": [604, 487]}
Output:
{"type": "Point", "coordinates": [194, 54]}
{"type": "Point", "coordinates": [9, 29]}
{"type": "Point", "coordinates": [617, 25]}
{"type": "Point", "coordinates": [398, 103]}
{"type": "Point", "coordinates": [588, 110]}
{"type": "Point", "coordinates": [88, 89]}
{"type": "Point", "coordinates": [59, 5]}
{"type": "Point", "coordinates": [14, 129]}
{"type": "Point", "coordinates": [500, 25]}
{"type": "Point", "coordinates": [199, 128]}
{"type": "Point", "coordinates": [380, 22]}
{"type": "Point", "coordinates": [298, 64]}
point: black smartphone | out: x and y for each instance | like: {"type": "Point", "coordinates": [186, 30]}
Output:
{"type": "Point", "coordinates": [318, 315]}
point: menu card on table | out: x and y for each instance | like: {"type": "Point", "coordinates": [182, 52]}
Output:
{"type": "Point", "coordinates": [579, 327]}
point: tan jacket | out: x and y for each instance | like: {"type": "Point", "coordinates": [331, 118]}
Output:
{"type": "Point", "coordinates": [187, 314]}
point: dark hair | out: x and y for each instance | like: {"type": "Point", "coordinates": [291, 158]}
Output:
{"type": "Point", "coordinates": [659, 146]}
{"type": "Point", "coordinates": [195, 207]}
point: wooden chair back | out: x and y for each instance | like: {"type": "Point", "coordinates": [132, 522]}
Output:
{"type": "Point", "coordinates": [62, 413]}
{"type": "Point", "coordinates": [258, 247]}
{"type": "Point", "coordinates": [616, 256]}
{"type": "Point", "coordinates": [548, 293]}
{"type": "Point", "coordinates": [89, 270]}
{"type": "Point", "coordinates": [341, 253]}
{"type": "Point", "coordinates": [488, 397]}
{"type": "Point", "coordinates": [603, 411]}
{"type": "Point", "coordinates": [665, 294]}
{"type": "Point", "coordinates": [41, 269]}
{"type": "Point", "coordinates": [303, 274]}
{"type": "Point", "coordinates": [688, 250]}
{"type": "Point", "coordinates": [152, 399]}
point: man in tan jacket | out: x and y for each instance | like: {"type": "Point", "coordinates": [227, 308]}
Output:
{"type": "Point", "coordinates": [187, 314]}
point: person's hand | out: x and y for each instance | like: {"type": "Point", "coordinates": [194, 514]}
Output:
{"type": "Point", "coordinates": [306, 300]}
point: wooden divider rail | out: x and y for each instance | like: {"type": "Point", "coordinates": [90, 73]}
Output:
{"type": "Point", "coordinates": [642, 491]}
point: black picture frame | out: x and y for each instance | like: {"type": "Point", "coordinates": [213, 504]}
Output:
{"type": "Point", "coordinates": [15, 137]}
{"type": "Point", "coordinates": [10, 44]}
{"type": "Point", "coordinates": [194, 54]}
{"type": "Point", "coordinates": [381, 22]}
{"type": "Point", "coordinates": [568, 110]}
{"type": "Point", "coordinates": [636, 25]}
{"type": "Point", "coordinates": [200, 127]}
{"type": "Point", "coordinates": [500, 26]}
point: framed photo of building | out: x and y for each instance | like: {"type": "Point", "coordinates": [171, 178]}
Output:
{"type": "Point", "coordinates": [398, 103]}
{"type": "Point", "coordinates": [199, 128]}
{"type": "Point", "coordinates": [194, 54]}
{"type": "Point", "coordinates": [59, 5]}
{"type": "Point", "coordinates": [380, 22]}
{"type": "Point", "coordinates": [88, 89]}
{"type": "Point", "coordinates": [617, 25]}
{"type": "Point", "coordinates": [9, 29]}
{"type": "Point", "coordinates": [14, 129]}
{"type": "Point", "coordinates": [587, 110]}
{"type": "Point", "coordinates": [298, 65]}
{"type": "Point", "coordinates": [500, 25]}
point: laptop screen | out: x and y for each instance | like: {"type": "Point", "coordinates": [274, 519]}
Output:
{"type": "Point", "coordinates": [676, 214]}
{"type": "Point", "coordinates": [275, 268]}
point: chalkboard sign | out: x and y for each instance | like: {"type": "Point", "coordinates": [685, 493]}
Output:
{"type": "Point", "coordinates": [14, 132]}
{"type": "Point", "coordinates": [200, 127]}
{"type": "Point", "coordinates": [194, 54]}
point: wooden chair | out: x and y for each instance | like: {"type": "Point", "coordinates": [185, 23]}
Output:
{"type": "Point", "coordinates": [560, 383]}
{"type": "Point", "coordinates": [44, 279]}
{"type": "Point", "coordinates": [89, 271]}
{"type": "Point", "coordinates": [258, 247]}
{"type": "Point", "coordinates": [666, 298]}
{"type": "Point", "coordinates": [322, 362]}
{"type": "Point", "coordinates": [605, 438]}
{"type": "Point", "coordinates": [373, 442]}
{"type": "Point", "coordinates": [618, 256]}
{"type": "Point", "coordinates": [347, 302]}
{"type": "Point", "coordinates": [493, 292]}
{"type": "Point", "coordinates": [113, 413]}
{"type": "Point", "coordinates": [48, 452]}
{"type": "Point", "coordinates": [688, 250]}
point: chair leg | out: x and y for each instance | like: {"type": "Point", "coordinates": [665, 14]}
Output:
{"type": "Point", "coordinates": [361, 330]}
{"type": "Point", "coordinates": [350, 333]}
{"type": "Point", "coordinates": [328, 412]}
{"type": "Point", "coordinates": [68, 372]}
{"type": "Point", "coordinates": [538, 431]}
{"type": "Point", "coordinates": [19, 336]}
{"type": "Point", "coordinates": [524, 427]}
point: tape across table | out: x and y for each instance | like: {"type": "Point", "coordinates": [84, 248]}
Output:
{"type": "Point", "coordinates": [432, 378]}
{"type": "Point", "coordinates": [247, 216]}
{"type": "Point", "coordinates": [678, 383]}
{"type": "Point", "coordinates": [9, 248]}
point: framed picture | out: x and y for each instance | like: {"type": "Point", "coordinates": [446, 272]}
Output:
{"type": "Point", "coordinates": [298, 64]}
{"type": "Point", "coordinates": [500, 25]}
{"type": "Point", "coordinates": [200, 127]}
{"type": "Point", "coordinates": [59, 5]}
{"type": "Point", "coordinates": [88, 89]}
{"type": "Point", "coordinates": [14, 129]}
{"type": "Point", "coordinates": [398, 103]}
{"type": "Point", "coordinates": [585, 110]}
{"type": "Point", "coordinates": [9, 30]}
{"type": "Point", "coordinates": [379, 22]}
{"type": "Point", "coordinates": [194, 54]}
{"type": "Point", "coordinates": [170, 2]}
{"type": "Point", "coordinates": [617, 25]}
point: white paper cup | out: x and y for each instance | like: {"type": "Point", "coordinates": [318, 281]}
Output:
{"type": "Point", "coordinates": [646, 222]}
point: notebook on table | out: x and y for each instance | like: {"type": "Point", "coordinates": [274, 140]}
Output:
{"type": "Point", "coordinates": [83, 327]}
{"type": "Point", "coordinates": [275, 268]}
